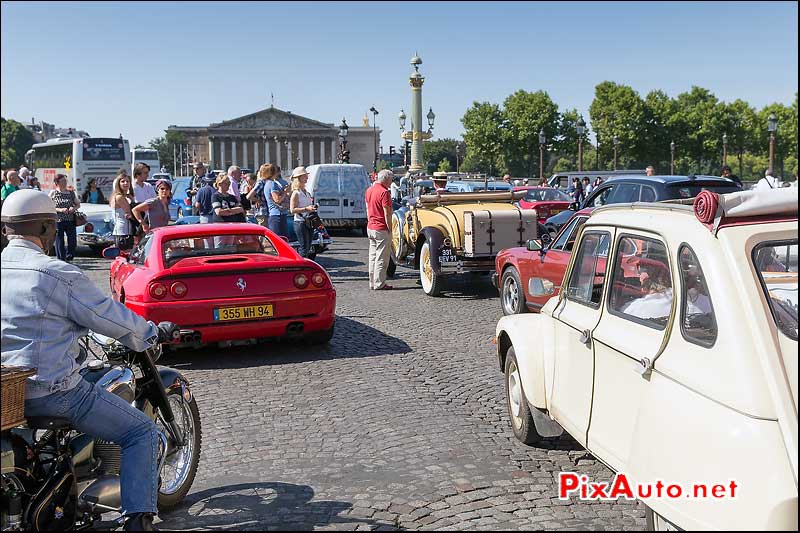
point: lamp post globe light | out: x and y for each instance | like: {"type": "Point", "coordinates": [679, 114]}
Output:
{"type": "Point", "coordinates": [374, 137]}
{"type": "Point", "coordinates": [672, 158]}
{"type": "Point", "coordinates": [772, 127]}
{"type": "Point", "coordinates": [542, 141]}
{"type": "Point", "coordinates": [344, 155]}
{"type": "Point", "coordinates": [724, 149]}
{"type": "Point", "coordinates": [616, 146]}
{"type": "Point", "coordinates": [580, 128]}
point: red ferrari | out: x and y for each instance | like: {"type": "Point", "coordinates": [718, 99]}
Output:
{"type": "Point", "coordinates": [515, 267]}
{"type": "Point", "coordinates": [546, 200]}
{"type": "Point", "coordinates": [225, 282]}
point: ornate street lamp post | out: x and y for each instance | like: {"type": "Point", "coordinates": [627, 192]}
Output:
{"type": "Point", "coordinates": [374, 137]}
{"type": "Point", "coordinates": [672, 158]}
{"type": "Point", "coordinates": [416, 135]}
{"type": "Point", "coordinates": [542, 141]}
{"type": "Point", "coordinates": [724, 149]}
{"type": "Point", "coordinates": [344, 155]}
{"type": "Point", "coordinates": [772, 127]}
{"type": "Point", "coordinates": [616, 146]}
{"type": "Point", "coordinates": [580, 127]}
{"type": "Point", "coordinates": [402, 118]}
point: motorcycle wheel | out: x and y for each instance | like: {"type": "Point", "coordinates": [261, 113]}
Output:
{"type": "Point", "coordinates": [180, 467]}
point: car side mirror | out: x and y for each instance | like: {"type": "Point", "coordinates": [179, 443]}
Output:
{"type": "Point", "coordinates": [573, 206]}
{"type": "Point", "coordinates": [541, 287]}
{"type": "Point", "coordinates": [534, 245]}
{"type": "Point", "coordinates": [112, 252]}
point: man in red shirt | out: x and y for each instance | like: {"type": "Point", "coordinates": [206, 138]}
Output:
{"type": "Point", "coordinates": [379, 219]}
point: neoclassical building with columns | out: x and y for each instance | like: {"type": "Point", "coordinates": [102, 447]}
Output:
{"type": "Point", "coordinates": [274, 136]}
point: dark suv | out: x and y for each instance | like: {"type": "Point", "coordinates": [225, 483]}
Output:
{"type": "Point", "coordinates": [644, 189]}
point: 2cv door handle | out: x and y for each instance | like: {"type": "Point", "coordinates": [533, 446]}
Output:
{"type": "Point", "coordinates": [586, 337]}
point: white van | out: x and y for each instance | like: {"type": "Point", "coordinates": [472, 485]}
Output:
{"type": "Point", "coordinates": [339, 191]}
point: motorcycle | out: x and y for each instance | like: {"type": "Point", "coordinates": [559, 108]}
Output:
{"type": "Point", "coordinates": [56, 478]}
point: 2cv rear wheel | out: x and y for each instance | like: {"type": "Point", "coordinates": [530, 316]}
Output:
{"type": "Point", "coordinates": [432, 283]}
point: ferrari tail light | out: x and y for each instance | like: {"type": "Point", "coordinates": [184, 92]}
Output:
{"type": "Point", "coordinates": [178, 289]}
{"type": "Point", "coordinates": [158, 290]}
{"type": "Point", "coordinates": [88, 228]}
{"type": "Point", "coordinates": [318, 279]}
{"type": "Point", "coordinates": [301, 281]}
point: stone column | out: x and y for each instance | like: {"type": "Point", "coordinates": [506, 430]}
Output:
{"type": "Point", "coordinates": [266, 151]}
{"type": "Point", "coordinates": [256, 164]}
{"type": "Point", "coordinates": [311, 152]}
{"type": "Point", "coordinates": [322, 151]}
{"type": "Point", "coordinates": [333, 150]}
{"type": "Point", "coordinates": [290, 158]}
{"type": "Point", "coordinates": [222, 153]}
{"type": "Point", "coordinates": [300, 151]}
{"type": "Point", "coordinates": [210, 152]}
{"type": "Point", "coordinates": [233, 151]}
{"type": "Point", "coordinates": [244, 153]}
{"type": "Point", "coordinates": [278, 154]}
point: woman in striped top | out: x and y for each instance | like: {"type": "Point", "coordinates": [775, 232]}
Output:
{"type": "Point", "coordinates": [67, 204]}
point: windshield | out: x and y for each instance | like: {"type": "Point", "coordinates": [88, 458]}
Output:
{"type": "Point", "coordinates": [684, 190]}
{"type": "Point", "coordinates": [547, 195]}
{"type": "Point", "coordinates": [776, 264]}
{"type": "Point", "coordinates": [203, 246]}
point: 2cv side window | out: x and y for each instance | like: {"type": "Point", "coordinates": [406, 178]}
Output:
{"type": "Point", "coordinates": [588, 272]}
{"type": "Point", "coordinates": [776, 264]}
{"type": "Point", "coordinates": [641, 286]}
{"type": "Point", "coordinates": [698, 322]}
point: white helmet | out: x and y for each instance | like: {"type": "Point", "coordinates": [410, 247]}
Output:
{"type": "Point", "coordinates": [26, 205]}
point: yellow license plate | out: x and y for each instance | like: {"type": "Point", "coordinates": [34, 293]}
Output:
{"type": "Point", "coordinates": [249, 312]}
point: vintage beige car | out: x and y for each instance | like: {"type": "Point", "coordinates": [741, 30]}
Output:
{"type": "Point", "coordinates": [450, 233]}
{"type": "Point", "coordinates": [670, 353]}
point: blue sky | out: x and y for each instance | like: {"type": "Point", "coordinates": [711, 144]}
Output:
{"type": "Point", "coordinates": [135, 68]}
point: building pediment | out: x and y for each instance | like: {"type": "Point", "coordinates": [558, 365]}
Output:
{"type": "Point", "coordinates": [271, 119]}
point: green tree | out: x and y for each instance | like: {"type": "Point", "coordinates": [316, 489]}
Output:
{"type": "Point", "coordinates": [524, 115]}
{"type": "Point", "coordinates": [483, 135]}
{"type": "Point", "coordinates": [618, 110]}
{"type": "Point", "coordinates": [15, 141]}
{"type": "Point", "coordinates": [166, 146]}
{"type": "Point", "coordinates": [434, 151]}
{"type": "Point", "coordinates": [444, 166]}
{"type": "Point", "coordinates": [785, 136]}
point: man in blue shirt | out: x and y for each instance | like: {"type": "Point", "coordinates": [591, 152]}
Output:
{"type": "Point", "coordinates": [202, 200]}
{"type": "Point", "coordinates": [47, 306]}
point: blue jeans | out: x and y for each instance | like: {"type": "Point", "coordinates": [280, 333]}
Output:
{"type": "Point", "coordinates": [279, 224]}
{"type": "Point", "coordinates": [303, 238]}
{"type": "Point", "coordinates": [66, 227]}
{"type": "Point", "coordinates": [95, 411]}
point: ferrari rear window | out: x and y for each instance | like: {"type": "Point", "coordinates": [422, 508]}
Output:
{"type": "Point", "coordinates": [214, 245]}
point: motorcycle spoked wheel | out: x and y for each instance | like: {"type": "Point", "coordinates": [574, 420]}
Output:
{"type": "Point", "coordinates": [180, 467]}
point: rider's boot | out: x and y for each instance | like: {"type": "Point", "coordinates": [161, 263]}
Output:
{"type": "Point", "coordinates": [140, 522]}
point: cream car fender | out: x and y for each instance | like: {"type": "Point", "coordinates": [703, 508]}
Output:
{"type": "Point", "coordinates": [531, 335]}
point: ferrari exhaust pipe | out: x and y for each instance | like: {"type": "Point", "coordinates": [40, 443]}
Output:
{"type": "Point", "coordinates": [295, 328]}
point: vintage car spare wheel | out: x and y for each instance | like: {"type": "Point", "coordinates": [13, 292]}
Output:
{"type": "Point", "coordinates": [399, 247]}
{"type": "Point", "coordinates": [431, 281]}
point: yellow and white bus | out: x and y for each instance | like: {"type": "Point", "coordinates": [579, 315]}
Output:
{"type": "Point", "coordinates": [81, 159]}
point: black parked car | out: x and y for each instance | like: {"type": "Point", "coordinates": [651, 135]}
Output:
{"type": "Point", "coordinates": [643, 189]}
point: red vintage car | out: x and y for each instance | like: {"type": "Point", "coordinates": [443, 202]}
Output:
{"type": "Point", "coordinates": [225, 282]}
{"type": "Point", "coordinates": [514, 267]}
{"type": "Point", "coordinates": [546, 200]}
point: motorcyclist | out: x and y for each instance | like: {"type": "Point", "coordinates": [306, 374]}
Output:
{"type": "Point", "coordinates": [47, 305]}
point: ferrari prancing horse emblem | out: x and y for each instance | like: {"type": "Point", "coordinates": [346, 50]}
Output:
{"type": "Point", "coordinates": [241, 284]}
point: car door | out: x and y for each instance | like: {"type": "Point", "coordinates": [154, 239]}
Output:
{"type": "Point", "coordinates": [550, 265]}
{"type": "Point", "coordinates": [576, 316]}
{"type": "Point", "coordinates": [638, 307]}
{"type": "Point", "coordinates": [135, 260]}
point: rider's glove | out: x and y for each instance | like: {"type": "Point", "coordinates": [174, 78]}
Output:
{"type": "Point", "coordinates": [168, 332]}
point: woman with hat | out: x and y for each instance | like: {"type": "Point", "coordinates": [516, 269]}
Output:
{"type": "Point", "coordinates": [300, 204]}
{"type": "Point", "coordinates": [157, 208]}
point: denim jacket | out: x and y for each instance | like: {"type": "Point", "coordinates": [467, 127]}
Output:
{"type": "Point", "coordinates": [47, 305]}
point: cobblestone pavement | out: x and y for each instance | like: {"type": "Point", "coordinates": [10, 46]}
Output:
{"type": "Point", "coordinates": [400, 423]}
